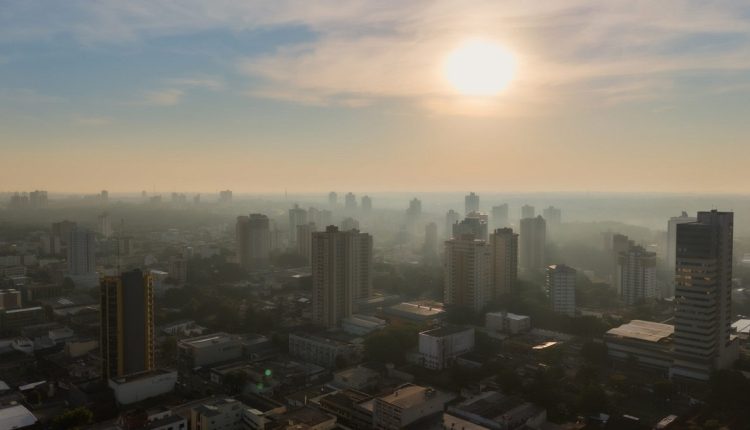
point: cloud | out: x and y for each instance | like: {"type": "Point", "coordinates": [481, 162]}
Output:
{"type": "Point", "coordinates": [167, 97]}
{"type": "Point", "coordinates": [26, 96]}
{"type": "Point", "coordinates": [570, 52]}
{"type": "Point", "coordinates": [197, 82]}
{"type": "Point", "coordinates": [92, 121]}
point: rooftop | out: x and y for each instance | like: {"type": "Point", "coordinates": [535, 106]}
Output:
{"type": "Point", "coordinates": [741, 326]}
{"type": "Point", "coordinates": [207, 340]}
{"type": "Point", "coordinates": [408, 396]}
{"type": "Point", "coordinates": [417, 309]}
{"type": "Point", "coordinates": [643, 330]}
{"type": "Point", "coordinates": [445, 331]}
{"type": "Point", "coordinates": [16, 417]}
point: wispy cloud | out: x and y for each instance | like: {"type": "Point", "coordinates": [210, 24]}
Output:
{"type": "Point", "coordinates": [363, 52]}
{"type": "Point", "coordinates": [167, 97]}
{"type": "Point", "coordinates": [26, 96]}
{"type": "Point", "coordinates": [92, 121]}
{"type": "Point", "coordinates": [210, 83]}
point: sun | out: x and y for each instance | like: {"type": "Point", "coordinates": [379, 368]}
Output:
{"type": "Point", "coordinates": [479, 68]}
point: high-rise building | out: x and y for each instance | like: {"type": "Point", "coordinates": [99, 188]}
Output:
{"type": "Point", "coordinates": [253, 238]}
{"type": "Point", "coordinates": [81, 252]}
{"type": "Point", "coordinates": [38, 199]}
{"type": "Point", "coordinates": [504, 245]}
{"type": "Point", "coordinates": [637, 275]}
{"type": "Point", "coordinates": [366, 203]}
{"type": "Point", "coordinates": [430, 250]}
{"type": "Point", "coordinates": [475, 223]}
{"type": "Point", "coordinates": [105, 225]}
{"type": "Point", "coordinates": [415, 209]}
{"type": "Point", "coordinates": [304, 240]}
{"type": "Point", "coordinates": [104, 196]}
{"type": "Point", "coordinates": [127, 324]}
{"type": "Point", "coordinates": [703, 295]}
{"type": "Point", "coordinates": [326, 218]}
{"type": "Point", "coordinates": [617, 244]}
{"type": "Point", "coordinates": [471, 203]}
{"type": "Point", "coordinates": [561, 288]}
{"type": "Point", "coordinates": [225, 196]}
{"type": "Point", "coordinates": [451, 218]}
{"type": "Point", "coordinates": [341, 273]}
{"type": "Point", "coordinates": [500, 216]}
{"type": "Point", "coordinates": [532, 245]}
{"type": "Point", "coordinates": [350, 202]}
{"type": "Point", "coordinates": [468, 278]}
{"type": "Point", "coordinates": [349, 223]}
{"type": "Point", "coordinates": [297, 217]}
{"type": "Point", "coordinates": [61, 235]}
{"type": "Point", "coordinates": [670, 255]}
{"type": "Point", "coordinates": [527, 211]}
{"type": "Point", "coordinates": [333, 199]}
{"type": "Point", "coordinates": [552, 215]}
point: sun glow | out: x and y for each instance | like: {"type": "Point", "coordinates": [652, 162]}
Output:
{"type": "Point", "coordinates": [479, 68]}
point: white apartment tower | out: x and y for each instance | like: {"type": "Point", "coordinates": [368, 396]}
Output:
{"type": "Point", "coordinates": [561, 288]}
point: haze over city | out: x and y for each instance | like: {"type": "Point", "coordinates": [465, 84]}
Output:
{"type": "Point", "coordinates": [201, 96]}
{"type": "Point", "coordinates": [329, 215]}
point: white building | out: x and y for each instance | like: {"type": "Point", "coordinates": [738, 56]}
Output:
{"type": "Point", "coordinates": [220, 414]}
{"type": "Point", "coordinates": [140, 386]}
{"type": "Point", "coordinates": [561, 288]}
{"type": "Point", "coordinates": [406, 405]}
{"type": "Point", "coordinates": [439, 347]}
{"type": "Point", "coordinates": [507, 322]}
{"type": "Point", "coordinates": [319, 350]}
{"type": "Point", "coordinates": [208, 349]}
{"type": "Point", "coordinates": [636, 270]}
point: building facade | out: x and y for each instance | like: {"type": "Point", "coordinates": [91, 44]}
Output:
{"type": "Point", "coordinates": [127, 324]}
{"type": "Point", "coordinates": [468, 278]}
{"type": "Point", "coordinates": [561, 288]}
{"type": "Point", "coordinates": [341, 273]}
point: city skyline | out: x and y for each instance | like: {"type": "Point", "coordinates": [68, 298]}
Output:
{"type": "Point", "coordinates": [201, 96]}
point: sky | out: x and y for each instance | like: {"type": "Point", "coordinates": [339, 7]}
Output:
{"type": "Point", "coordinates": [308, 96]}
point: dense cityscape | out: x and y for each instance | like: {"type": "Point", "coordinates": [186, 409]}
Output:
{"type": "Point", "coordinates": [374, 214]}
{"type": "Point", "coordinates": [173, 312]}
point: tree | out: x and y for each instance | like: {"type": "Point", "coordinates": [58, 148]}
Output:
{"type": "Point", "coordinates": [594, 353]}
{"type": "Point", "coordinates": [73, 418]}
{"type": "Point", "coordinates": [390, 344]}
{"type": "Point", "coordinates": [592, 399]}
{"type": "Point", "coordinates": [664, 389]}
{"type": "Point", "coordinates": [235, 381]}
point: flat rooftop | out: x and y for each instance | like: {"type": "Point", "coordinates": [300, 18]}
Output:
{"type": "Point", "coordinates": [16, 417]}
{"type": "Point", "coordinates": [445, 331]}
{"type": "Point", "coordinates": [742, 326]}
{"type": "Point", "coordinates": [418, 309]}
{"type": "Point", "coordinates": [206, 340]}
{"type": "Point", "coordinates": [407, 397]}
{"type": "Point", "coordinates": [648, 331]}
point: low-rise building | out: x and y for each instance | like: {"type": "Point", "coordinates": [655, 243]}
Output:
{"type": "Point", "coordinates": [16, 417]}
{"type": "Point", "coordinates": [352, 408]}
{"type": "Point", "coordinates": [320, 350]}
{"type": "Point", "coordinates": [414, 313]}
{"type": "Point", "coordinates": [507, 322]}
{"type": "Point", "coordinates": [208, 349]}
{"type": "Point", "coordinates": [648, 343]}
{"type": "Point", "coordinates": [406, 405]}
{"type": "Point", "coordinates": [13, 320]}
{"type": "Point", "coordinates": [361, 325]}
{"type": "Point", "coordinates": [496, 411]}
{"type": "Point", "coordinates": [439, 347]}
{"type": "Point", "coordinates": [217, 414]}
{"type": "Point", "coordinates": [145, 385]}
{"type": "Point", "coordinates": [356, 378]}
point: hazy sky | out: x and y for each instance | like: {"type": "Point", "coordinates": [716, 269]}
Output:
{"type": "Point", "coordinates": [350, 95]}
